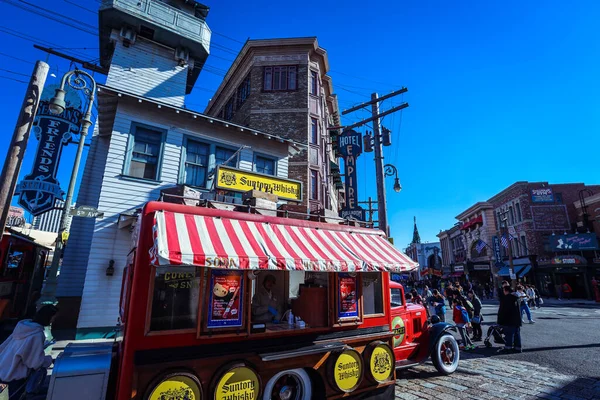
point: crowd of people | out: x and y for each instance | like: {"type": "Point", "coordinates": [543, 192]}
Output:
{"type": "Point", "coordinates": [464, 302]}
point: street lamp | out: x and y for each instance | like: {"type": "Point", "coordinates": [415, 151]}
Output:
{"type": "Point", "coordinates": [390, 170]}
{"type": "Point", "coordinates": [77, 80]}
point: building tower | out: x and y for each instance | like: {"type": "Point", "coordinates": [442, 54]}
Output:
{"type": "Point", "coordinates": [416, 237]}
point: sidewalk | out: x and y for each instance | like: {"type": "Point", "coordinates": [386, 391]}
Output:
{"type": "Point", "coordinates": [556, 303]}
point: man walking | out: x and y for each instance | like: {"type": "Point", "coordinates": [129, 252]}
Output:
{"type": "Point", "coordinates": [509, 317]}
{"type": "Point", "coordinates": [566, 288]}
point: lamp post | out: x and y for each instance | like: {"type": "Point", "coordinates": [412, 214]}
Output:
{"type": "Point", "coordinates": [390, 170]}
{"type": "Point", "coordinates": [504, 224]}
{"type": "Point", "coordinates": [76, 79]}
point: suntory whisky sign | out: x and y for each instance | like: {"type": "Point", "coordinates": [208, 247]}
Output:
{"type": "Point", "coordinates": [242, 181]}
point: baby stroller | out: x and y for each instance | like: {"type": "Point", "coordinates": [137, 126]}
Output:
{"type": "Point", "coordinates": [496, 332]}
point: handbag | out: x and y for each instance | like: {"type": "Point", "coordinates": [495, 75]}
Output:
{"type": "Point", "coordinates": [476, 319]}
{"type": "Point", "coordinates": [541, 301]}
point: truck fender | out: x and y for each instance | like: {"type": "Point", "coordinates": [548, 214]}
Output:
{"type": "Point", "coordinates": [437, 330]}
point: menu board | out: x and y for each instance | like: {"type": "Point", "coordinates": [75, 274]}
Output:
{"type": "Point", "coordinates": [225, 304]}
{"type": "Point", "coordinates": [347, 296]}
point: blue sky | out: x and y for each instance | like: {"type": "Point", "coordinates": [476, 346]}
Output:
{"type": "Point", "coordinates": [498, 91]}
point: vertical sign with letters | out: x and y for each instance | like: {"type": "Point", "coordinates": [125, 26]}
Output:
{"type": "Point", "coordinates": [350, 146]}
{"type": "Point", "coordinates": [39, 189]}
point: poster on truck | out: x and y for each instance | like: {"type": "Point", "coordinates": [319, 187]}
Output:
{"type": "Point", "coordinates": [225, 305]}
{"type": "Point", "coordinates": [347, 296]}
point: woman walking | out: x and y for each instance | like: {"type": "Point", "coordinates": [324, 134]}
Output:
{"type": "Point", "coordinates": [477, 317]}
{"type": "Point", "coordinates": [524, 307]}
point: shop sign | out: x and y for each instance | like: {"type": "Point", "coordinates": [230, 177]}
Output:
{"type": "Point", "coordinates": [225, 307]}
{"type": "Point", "coordinates": [481, 267]}
{"type": "Point", "coordinates": [550, 218]}
{"type": "Point", "coordinates": [16, 217]}
{"type": "Point", "coordinates": [497, 252]}
{"type": "Point", "coordinates": [581, 241]}
{"type": "Point", "coordinates": [177, 387]}
{"type": "Point", "coordinates": [568, 260]}
{"type": "Point", "coordinates": [40, 188]}
{"type": "Point", "coordinates": [459, 268]}
{"type": "Point", "coordinates": [381, 361]}
{"type": "Point", "coordinates": [350, 147]}
{"type": "Point", "coordinates": [243, 181]}
{"type": "Point", "coordinates": [240, 382]}
{"type": "Point", "coordinates": [543, 195]}
{"type": "Point", "coordinates": [399, 330]}
{"type": "Point", "coordinates": [347, 296]}
{"type": "Point", "coordinates": [347, 370]}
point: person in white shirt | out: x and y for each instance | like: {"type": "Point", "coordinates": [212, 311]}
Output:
{"type": "Point", "coordinates": [23, 351]}
{"type": "Point", "coordinates": [531, 295]}
{"type": "Point", "coordinates": [523, 303]}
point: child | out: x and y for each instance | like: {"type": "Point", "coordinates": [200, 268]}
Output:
{"type": "Point", "coordinates": [461, 319]}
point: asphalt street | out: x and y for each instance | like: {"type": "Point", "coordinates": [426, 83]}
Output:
{"type": "Point", "coordinates": [565, 337]}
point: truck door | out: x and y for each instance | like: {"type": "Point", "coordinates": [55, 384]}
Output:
{"type": "Point", "coordinates": [404, 345]}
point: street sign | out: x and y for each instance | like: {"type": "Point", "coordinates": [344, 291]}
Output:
{"type": "Point", "coordinates": [512, 231]}
{"type": "Point", "coordinates": [86, 212]}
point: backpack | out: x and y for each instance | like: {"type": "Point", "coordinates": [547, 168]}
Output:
{"type": "Point", "coordinates": [465, 316]}
{"type": "Point", "coordinates": [470, 308]}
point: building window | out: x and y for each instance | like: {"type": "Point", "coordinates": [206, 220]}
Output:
{"type": "Point", "coordinates": [314, 83]}
{"type": "Point", "coordinates": [264, 165]}
{"type": "Point", "coordinates": [524, 245]}
{"type": "Point", "coordinates": [558, 198]}
{"type": "Point", "coordinates": [280, 78]}
{"type": "Point", "coordinates": [314, 131]}
{"type": "Point", "coordinates": [228, 110]}
{"type": "Point", "coordinates": [515, 248]}
{"type": "Point", "coordinates": [223, 154]}
{"type": "Point", "coordinates": [314, 185]}
{"type": "Point", "coordinates": [196, 163]}
{"type": "Point", "coordinates": [146, 147]}
{"type": "Point", "coordinates": [519, 216]}
{"type": "Point", "coordinates": [243, 91]}
{"type": "Point", "coordinates": [511, 215]}
{"type": "Point", "coordinates": [372, 293]}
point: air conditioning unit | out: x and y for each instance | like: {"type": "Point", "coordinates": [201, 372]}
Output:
{"type": "Point", "coordinates": [128, 35]}
{"type": "Point", "coordinates": [182, 56]}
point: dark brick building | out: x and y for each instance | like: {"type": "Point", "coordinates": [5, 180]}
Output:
{"type": "Point", "coordinates": [538, 214]}
{"type": "Point", "coordinates": [281, 86]}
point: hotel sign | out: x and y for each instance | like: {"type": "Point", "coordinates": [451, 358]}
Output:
{"type": "Point", "coordinates": [242, 181]}
{"type": "Point", "coordinates": [350, 146]}
{"type": "Point", "coordinates": [39, 189]}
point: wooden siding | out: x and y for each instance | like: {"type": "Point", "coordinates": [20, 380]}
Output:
{"type": "Point", "coordinates": [148, 70]}
{"type": "Point", "coordinates": [101, 294]}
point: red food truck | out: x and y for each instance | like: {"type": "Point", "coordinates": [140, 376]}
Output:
{"type": "Point", "coordinates": [228, 305]}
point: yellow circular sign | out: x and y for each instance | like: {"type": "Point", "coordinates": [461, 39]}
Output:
{"type": "Point", "coordinates": [381, 363]}
{"type": "Point", "coordinates": [177, 387]}
{"type": "Point", "coordinates": [238, 383]}
{"type": "Point", "coordinates": [348, 370]}
{"type": "Point", "coordinates": [399, 330]}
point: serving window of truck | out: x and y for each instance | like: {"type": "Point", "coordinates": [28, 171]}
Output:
{"type": "Point", "coordinates": [228, 305]}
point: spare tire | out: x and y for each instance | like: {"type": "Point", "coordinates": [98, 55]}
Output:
{"type": "Point", "coordinates": [292, 384]}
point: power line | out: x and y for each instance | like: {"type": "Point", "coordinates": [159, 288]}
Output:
{"type": "Point", "coordinates": [13, 72]}
{"type": "Point", "coordinates": [16, 58]}
{"type": "Point", "coordinates": [80, 6]}
{"type": "Point", "coordinates": [12, 79]}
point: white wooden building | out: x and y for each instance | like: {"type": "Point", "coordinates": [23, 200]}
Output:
{"type": "Point", "coordinates": [144, 142]}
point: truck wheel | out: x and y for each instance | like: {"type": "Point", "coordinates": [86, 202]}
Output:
{"type": "Point", "coordinates": [446, 354]}
{"type": "Point", "coordinates": [293, 384]}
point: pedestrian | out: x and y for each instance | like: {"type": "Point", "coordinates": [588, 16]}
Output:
{"type": "Point", "coordinates": [408, 298]}
{"type": "Point", "coordinates": [449, 293]}
{"type": "Point", "coordinates": [524, 306]}
{"type": "Point", "coordinates": [530, 296]}
{"type": "Point", "coordinates": [427, 292]}
{"type": "Point", "coordinates": [461, 319]}
{"type": "Point", "coordinates": [416, 297]}
{"type": "Point", "coordinates": [477, 316]}
{"type": "Point", "coordinates": [596, 289]}
{"type": "Point", "coordinates": [488, 291]}
{"type": "Point", "coordinates": [567, 291]}
{"type": "Point", "coordinates": [558, 288]}
{"type": "Point", "coordinates": [538, 297]}
{"type": "Point", "coordinates": [509, 317]}
{"type": "Point", "coordinates": [439, 305]}
{"type": "Point", "coordinates": [23, 351]}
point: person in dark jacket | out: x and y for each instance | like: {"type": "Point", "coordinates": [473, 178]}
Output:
{"type": "Point", "coordinates": [509, 317]}
{"type": "Point", "coordinates": [439, 305]}
{"type": "Point", "coordinates": [477, 317]}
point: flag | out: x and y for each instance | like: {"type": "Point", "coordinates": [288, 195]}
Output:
{"type": "Point", "coordinates": [480, 246]}
{"type": "Point", "coordinates": [504, 240]}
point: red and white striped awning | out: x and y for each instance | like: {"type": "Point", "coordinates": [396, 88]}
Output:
{"type": "Point", "coordinates": [219, 242]}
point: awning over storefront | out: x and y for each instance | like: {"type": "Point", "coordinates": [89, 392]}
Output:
{"type": "Point", "coordinates": [525, 271]}
{"type": "Point", "coordinates": [220, 242]}
{"type": "Point", "coordinates": [520, 270]}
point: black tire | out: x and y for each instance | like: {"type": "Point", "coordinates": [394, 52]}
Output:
{"type": "Point", "coordinates": [446, 354]}
{"type": "Point", "coordinates": [300, 384]}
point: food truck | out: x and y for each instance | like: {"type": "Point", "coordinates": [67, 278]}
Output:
{"type": "Point", "coordinates": [228, 305]}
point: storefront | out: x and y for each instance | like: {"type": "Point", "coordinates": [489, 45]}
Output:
{"type": "Point", "coordinates": [573, 270]}
{"type": "Point", "coordinates": [480, 271]}
{"type": "Point", "coordinates": [22, 266]}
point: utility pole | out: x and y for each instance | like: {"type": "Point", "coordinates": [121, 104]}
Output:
{"type": "Point", "coordinates": [16, 150]}
{"type": "Point", "coordinates": [378, 145]}
{"type": "Point", "coordinates": [510, 255]}
{"type": "Point", "coordinates": [370, 210]}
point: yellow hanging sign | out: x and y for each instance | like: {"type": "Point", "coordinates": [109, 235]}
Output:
{"type": "Point", "coordinates": [243, 181]}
